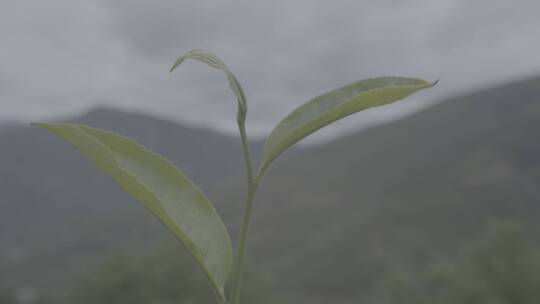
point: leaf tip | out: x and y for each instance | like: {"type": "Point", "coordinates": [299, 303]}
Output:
{"type": "Point", "coordinates": [181, 59]}
{"type": "Point", "coordinates": [176, 63]}
{"type": "Point", "coordinates": [435, 83]}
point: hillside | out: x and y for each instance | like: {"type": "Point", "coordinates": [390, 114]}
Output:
{"type": "Point", "coordinates": [57, 211]}
{"type": "Point", "coordinates": [329, 222]}
{"type": "Point", "coordinates": [394, 196]}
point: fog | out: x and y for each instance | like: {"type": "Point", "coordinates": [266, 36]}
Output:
{"type": "Point", "coordinates": [62, 57]}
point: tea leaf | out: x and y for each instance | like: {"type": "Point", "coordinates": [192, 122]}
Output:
{"type": "Point", "coordinates": [332, 106]}
{"type": "Point", "coordinates": [164, 190]}
{"type": "Point", "coordinates": [213, 61]}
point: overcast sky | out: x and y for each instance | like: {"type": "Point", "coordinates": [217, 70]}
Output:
{"type": "Point", "coordinates": [60, 57]}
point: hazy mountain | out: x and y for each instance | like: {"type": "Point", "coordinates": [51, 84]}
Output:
{"type": "Point", "coordinates": [333, 221]}
{"type": "Point", "coordinates": [329, 222]}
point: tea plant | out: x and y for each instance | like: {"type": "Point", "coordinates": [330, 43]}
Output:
{"type": "Point", "coordinates": [181, 206]}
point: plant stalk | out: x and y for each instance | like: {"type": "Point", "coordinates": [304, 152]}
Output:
{"type": "Point", "coordinates": [252, 186]}
{"type": "Point", "coordinates": [245, 148]}
{"type": "Point", "coordinates": [241, 251]}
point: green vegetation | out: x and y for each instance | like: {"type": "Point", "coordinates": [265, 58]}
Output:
{"type": "Point", "coordinates": [164, 276]}
{"type": "Point", "coordinates": [6, 297]}
{"type": "Point", "coordinates": [399, 196]}
{"type": "Point", "coordinates": [501, 267]}
{"type": "Point", "coordinates": [181, 206]}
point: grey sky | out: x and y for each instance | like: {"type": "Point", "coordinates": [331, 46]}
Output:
{"type": "Point", "coordinates": [59, 57]}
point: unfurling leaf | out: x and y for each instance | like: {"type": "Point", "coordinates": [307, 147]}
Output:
{"type": "Point", "coordinates": [164, 190]}
{"type": "Point", "coordinates": [213, 61]}
{"type": "Point", "coordinates": [332, 106]}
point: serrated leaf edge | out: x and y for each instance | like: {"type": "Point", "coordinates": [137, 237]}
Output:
{"type": "Point", "coordinates": [185, 240]}
{"type": "Point", "coordinates": [265, 163]}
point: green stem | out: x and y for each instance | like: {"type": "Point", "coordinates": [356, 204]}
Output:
{"type": "Point", "coordinates": [252, 186]}
{"type": "Point", "coordinates": [241, 252]}
{"type": "Point", "coordinates": [245, 148]}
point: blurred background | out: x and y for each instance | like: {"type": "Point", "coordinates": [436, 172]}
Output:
{"type": "Point", "coordinates": [435, 199]}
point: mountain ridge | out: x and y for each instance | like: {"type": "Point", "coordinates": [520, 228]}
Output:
{"type": "Point", "coordinates": [329, 221]}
